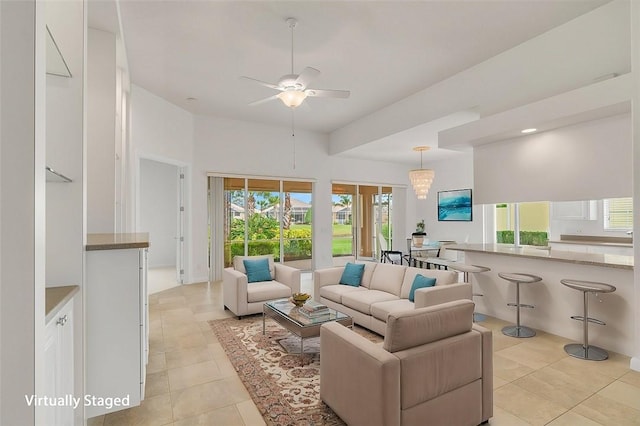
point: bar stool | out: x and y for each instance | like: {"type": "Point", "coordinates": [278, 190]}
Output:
{"type": "Point", "coordinates": [584, 350]}
{"type": "Point", "coordinates": [518, 278]}
{"type": "Point", "coordinates": [466, 270]}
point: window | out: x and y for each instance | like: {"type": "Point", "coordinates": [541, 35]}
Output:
{"type": "Point", "coordinates": [533, 223]}
{"type": "Point", "coordinates": [618, 214]}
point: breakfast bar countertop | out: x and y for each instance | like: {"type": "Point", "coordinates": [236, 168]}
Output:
{"type": "Point", "coordinates": [595, 259]}
{"type": "Point", "coordinates": [594, 240]}
{"type": "Point", "coordinates": [117, 241]}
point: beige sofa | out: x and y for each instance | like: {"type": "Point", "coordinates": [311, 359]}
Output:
{"type": "Point", "coordinates": [434, 368]}
{"type": "Point", "coordinates": [243, 298]}
{"type": "Point", "coordinates": [385, 289]}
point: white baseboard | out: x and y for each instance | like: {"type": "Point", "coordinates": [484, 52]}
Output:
{"type": "Point", "coordinates": [635, 363]}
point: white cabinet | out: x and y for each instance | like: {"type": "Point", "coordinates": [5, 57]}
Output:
{"type": "Point", "coordinates": [59, 365]}
{"type": "Point", "coordinates": [116, 327]}
{"type": "Point", "coordinates": [574, 210]}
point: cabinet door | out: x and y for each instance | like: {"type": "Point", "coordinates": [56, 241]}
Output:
{"type": "Point", "coordinates": [52, 373]}
{"type": "Point", "coordinates": [66, 382]}
{"type": "Point", "coordinates": [59, 365]}
{"type": "Point", "coordinates": [113, 327]}
{"type": "Point", "coordinates": [574, 210]}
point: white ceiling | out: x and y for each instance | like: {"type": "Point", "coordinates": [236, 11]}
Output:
{"type": "Point", "coordinates": [381, 51]}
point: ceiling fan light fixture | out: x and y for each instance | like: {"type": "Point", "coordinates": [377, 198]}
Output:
{"type": "Point", "coordinates": [292, 98]}
{"type": "Point", "coordinates": [421, 179]}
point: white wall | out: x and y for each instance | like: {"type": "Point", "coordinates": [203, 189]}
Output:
{"type": "Point", "coordinates": [162, 132]}
{"type": "Point", "coordinates": [101, 128]}
{"type": "Point", "coordinates": [159, 210]}
{"type": "Point", "coordinates": [238, 147]}
{"type": "Point", "coordinates": [450, 174]}
{"type": "Point", "coordinates": [586, 161]}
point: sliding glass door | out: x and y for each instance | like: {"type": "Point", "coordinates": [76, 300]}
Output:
{"type": "Point", "coordinates": [361, 216]}
{"type": "Point", "coordinates": [267, 216]}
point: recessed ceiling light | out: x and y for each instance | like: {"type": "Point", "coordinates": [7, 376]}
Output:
{"type": "Point", "coordinates": [190, 99]}
{"type": "Point", "coordinates": [531, 130]}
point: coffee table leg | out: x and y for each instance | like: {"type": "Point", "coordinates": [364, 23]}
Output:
{"type": "Point", "coordinates": [301, 351]}
{"type": "Point", "coordinates": [263, 317]}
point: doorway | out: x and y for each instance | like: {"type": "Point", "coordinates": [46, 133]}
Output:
{"type": "Point", "coordinates": [161, 214]}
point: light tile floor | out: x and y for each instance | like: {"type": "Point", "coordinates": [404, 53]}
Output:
{"type": "Point", "coordinates": [190, 380]}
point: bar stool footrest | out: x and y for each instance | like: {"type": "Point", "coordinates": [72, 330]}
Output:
{"type": "Point", "coordinates": [592, 353]}
{"type": "Point", "coordinates": [593, 320]}
{"type": "Point", "coordinates": [522, 305]}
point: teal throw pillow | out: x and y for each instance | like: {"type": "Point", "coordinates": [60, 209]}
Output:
{"type": "Point", "coordinates": [352, 274]}
{"type": "Point", "coordinates": [257, 270]}
{"type": "Point", "coordinates": [420, 281]}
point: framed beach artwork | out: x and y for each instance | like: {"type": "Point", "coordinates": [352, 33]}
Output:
{"type": "Point", "coordinates": [455, 205]}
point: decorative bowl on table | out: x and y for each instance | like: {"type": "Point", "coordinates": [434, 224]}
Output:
{"type": "Point", "coordinates": [299, 299]}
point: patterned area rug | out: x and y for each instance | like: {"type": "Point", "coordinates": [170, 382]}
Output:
{"type": "Point", "coordinates": [285, 386]}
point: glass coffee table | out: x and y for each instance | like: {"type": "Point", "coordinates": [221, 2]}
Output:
{"type": "Point", "coordinates": [288, 316]}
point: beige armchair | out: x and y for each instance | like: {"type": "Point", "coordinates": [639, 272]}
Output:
{"type": "Point", "coordinates": [434, 368]}
{"type": "Point", "coordinates": [244, 298]}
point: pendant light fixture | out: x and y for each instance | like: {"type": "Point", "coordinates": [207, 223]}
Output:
{"type": "Point", "coordinates": [421, 179]}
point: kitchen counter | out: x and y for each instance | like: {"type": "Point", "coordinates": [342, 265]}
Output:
{"type": "Point", "coordinates": [56, 297]}
{"type": "Point", "coordinates": [595, 259]}
{"type": "Point", "coordinates": [555, 303]}
{"type": "Point", "coordinates": [117, 241]}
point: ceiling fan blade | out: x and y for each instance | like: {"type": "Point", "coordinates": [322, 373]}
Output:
{"type": "Point", "coordinates": [261, 101]}
{"type": "Point", "coordinates": [328, 93]}
{"type": "Point", "coordinates": [306, 76]}
{"type": "Point", "coordinates": [264, 83]}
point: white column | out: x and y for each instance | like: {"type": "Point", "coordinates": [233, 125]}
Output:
{"type": "Point", "coordinates": [22, 208]}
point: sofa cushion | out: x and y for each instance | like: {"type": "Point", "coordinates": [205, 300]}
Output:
{"type": "Point", "coordinates": [238, 263]}
{"type": "Point", "coordinates": [361, 301]}
{"type": "Point", "coordinates": [352, 274]}
{"type": "Point", "coordinates": [420, 281]}
{"type": "Point", "coordinates": [336, 291]}
{"type": "Point", "coordinates": [257, 270]}
{"type": "Point", "coordinates": [369, 269]}
{"type": "Point", "coordinates": [408, 329]}
{"type": "Point", "coordinates": [442, 277]}
{"type": "Point", "coordinates": [267, 290]}
{"type": "Point", "coordinates": [388, 277]}
{"type": "Point", "coordinates": [381, 310]}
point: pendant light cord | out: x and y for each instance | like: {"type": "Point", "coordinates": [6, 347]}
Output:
{"type": "Point", "coordinates": [292, 26]}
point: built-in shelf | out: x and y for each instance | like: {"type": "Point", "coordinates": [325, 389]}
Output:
{"type": "Point", "coordinates": [53, 176]}
{"type": "Point", "coordinates": [56, 65]}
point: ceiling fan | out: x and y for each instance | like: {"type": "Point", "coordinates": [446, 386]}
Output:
{"type": "Point", "coordinates": [294, 88]}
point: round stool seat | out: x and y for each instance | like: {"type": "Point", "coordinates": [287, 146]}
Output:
{"type": "Point", "coordinates": [466, 270]}
{"type": "Point", "coordinates": [590, 286]}
{"type": "Point", "coordinates": [584, 350]}
{"type": "Point", "coordinates": [519, 278]}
